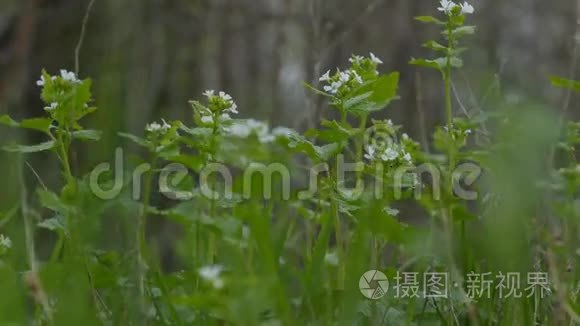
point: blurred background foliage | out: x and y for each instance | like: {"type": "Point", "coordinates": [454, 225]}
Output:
{"type": "Point", "coordinates": [149, 57]}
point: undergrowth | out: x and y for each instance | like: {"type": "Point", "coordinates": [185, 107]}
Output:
{"type": "Point", "coordinates": [276, 227]}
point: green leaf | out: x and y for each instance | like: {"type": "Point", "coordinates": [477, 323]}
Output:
{"type": "Point", "coordinates": [461, 213]}
{"type": "Point", "coordinates": [315, 90]}
{"type": "Point", "coordinates": [565, 83]}
{"type": "Point", "coordinates": [196, 163]}
{"type": "Point", "coordinates": [386, 88]}
{"type": "Point", "coordinates": [456, 62]}
{"type": "Point", "coordinates": [357, 100]}
{"type": "Point", "coordinates": [435, 46]}
{"type": "Point", "coordinates": [317, 153]}
{"type": "Point", "coordinates": [433, 64]}
{"type": "Point", "coordinates": [51, 201]}
{"type": "Point", "coordinates": [138, 140]}
{"type": "Point", "coordinates": [30, 148]}
{"type": "Point", "coordinates": [336, 131]}
{"type": "Point", "coordinates": [53, 224]}
{"type": "Point", "coordinates": [463, 30]}
{"type": "Point", "coordinates": [87, 135]}
{"type": "Point", "coordinates": [7, 120]}
{"type": "Point", "coordinates": [429, 19]}
{"type": "Point", "coordinates": [40, 124]}
{"type": "Point", "coordinates": [374, 96]}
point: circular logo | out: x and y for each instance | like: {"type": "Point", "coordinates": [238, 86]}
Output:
{"type": "Point", "coordinates": [373, 284]}
{"type": "Point", "coordinates": [379, 136]}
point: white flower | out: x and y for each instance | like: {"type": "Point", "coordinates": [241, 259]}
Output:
{"type": "Point", "coordinates": [153, 127]}
{"type": "Point", "coordinates": [51, 107]}
{"type": "Point", "coordinates": [390, 155]}
{"type": "Point", "coordinates": [240, 130]}
{"type": "Point", "coordinates": [376, 59]}
{"type": "Point", "coordinates": [207, 119]}
{"type": "Point", "coordinates": [232, 109]}
{"type": "Point", "coordinates": [225, 117]}
{"type": "Point", "coordinates": [355, 59]}
{"type": "Point", "coordinates": [268, 138]}
{"type": "Point", "coordinates": [325, 77]}
{"type": "Point", "coordinates": [156, 127]}
{"type": "Point", "coordinates": [209, 93]}
{"type": "Point", "coordinates": [333, 88]}
{"type": "Point", "coordinates": [357, 77]}
{"type": "Point", "coordinates": [69, 76]}
{"type": "Point", "coordinates": [370, 153]}
{"type": "Point", "coordinates": [5, 242]}
{"type": "Point", "coordinates": [41, 81]}
{"type": "Point", "coordinates": [466, 8]}
{"type": "Point", "coordinates": [283, 132]}
{"type": "Point", "coordinates": [407, 157]}
{"type": "Point", "coordinates": [389, 123]}
{"type": "Point", "coordinates": [212, 274]}
{"type": "Point", "coordinates": [331, 258]}
{"type": "Point", "coordinates": [225, 97]}
{"type": "Point", "coordinates": [468, 132]}
{"type": "Point", "coordinates": [391, 211]}
{"type": "Point", "coordinates": [344, 76]}
{"type": "Point", "coordinates": [447, 6]}
{"type": "Point", "coordinates": [405, 137]}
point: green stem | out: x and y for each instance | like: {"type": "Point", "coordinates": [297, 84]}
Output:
{"type": "Point", "coordinates": [141, 241]}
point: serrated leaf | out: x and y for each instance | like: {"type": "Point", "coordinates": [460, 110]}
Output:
{"type": "Point", "coordinates": [53, 224]}
{"type": "Point", "coordinates": [30, 148]}
{"type": "Point", "coordinates": [51, 201]}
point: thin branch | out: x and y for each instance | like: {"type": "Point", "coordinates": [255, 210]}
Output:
{"type": "Point", "coordinates": [82, 36]}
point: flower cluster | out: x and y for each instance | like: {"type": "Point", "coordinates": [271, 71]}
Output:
{"type": "Point", "coordinates": [66, 76]}
{"type": "Point", "coordinates": [212, 274]}
{"type": "Point", "coordinates": [449, 8]}
{"type": "Point", "coordinates": [386, 148]}
{"type": "Point", "coordinates": [155, 127]}
{"type": "Point", "coordinates": [342, 82]}
{"type": "Point", "coordinates": [66, 97]}
{"type": "Point", "coordinates": [247, 127]}
{"type": "Point", "coordinates": [5, 244]}
{"type": "Point", "coordinates": [219, 107]}
{"type": "Point", "coordinates": [391, 154]}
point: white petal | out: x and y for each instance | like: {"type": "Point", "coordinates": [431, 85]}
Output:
{"type": "Point", "coordinates": [376, 59]}
{"type": "Point", "coordinates": [325, 77]}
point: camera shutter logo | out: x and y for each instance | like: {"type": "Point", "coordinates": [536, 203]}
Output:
{"type": "Point", "coordinates": [373, 284]}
